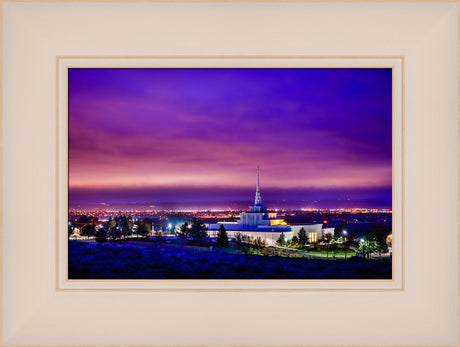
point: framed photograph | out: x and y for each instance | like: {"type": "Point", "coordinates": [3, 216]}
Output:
{"type": "Point", "coordinates": [188, 217]}
{"type": "Point", "coordinates": [256, 181]}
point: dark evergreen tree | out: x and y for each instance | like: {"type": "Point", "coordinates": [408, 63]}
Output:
{"type": "Point", "coordinates": [281, 241]}
{"type": "Point", "coordinates": [222, 237]}
{"type": "Point", "coordinates": [198, 232]}
{"type": "Point", "coordinates": [123, 224]}
{"type": "Point", "coordinates": [183, 233]}
{"type": "Point", "coordinates": [88, 230]}
{"type": "Point", "coordinates": [294, 241]}
{"type": "Point", "coordinates": [115, 233]}
{"type": "Point", "coordinates": [338, 231]}
{"type": "Point", "coordinates": [143, 228]}
{"type": "Point", "coordinates": [379, 234]}
{"type": "Point", "coordinates": [302, 237]}
{"type": "Point", "coordinates": [101, 235]}
{"type": "Point", "coordinates": [83, 219]}
{"type": "Point", "coordinates": [70, 229]}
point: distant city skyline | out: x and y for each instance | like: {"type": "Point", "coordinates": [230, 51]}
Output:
{"type": "Point", "coordinates": [193, 137]}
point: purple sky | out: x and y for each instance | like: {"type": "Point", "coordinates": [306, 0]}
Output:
{"type": "Point", "coordinates": [190, 136]}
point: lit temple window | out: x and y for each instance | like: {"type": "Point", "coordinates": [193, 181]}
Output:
{"type": "Point", "coordinates": [312, 237]}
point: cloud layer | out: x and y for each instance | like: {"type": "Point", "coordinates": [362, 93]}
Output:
{"type": "Point", "coordinates": [134, 129]}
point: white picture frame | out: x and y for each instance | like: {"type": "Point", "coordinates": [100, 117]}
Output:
{"type": "Point", "coordinates": [395, 63]}
{"type": "Point", "coordinates": [36, 310]}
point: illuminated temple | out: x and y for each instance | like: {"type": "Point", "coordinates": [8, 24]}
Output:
{"type": "Point", "coordinates": [258, 222]}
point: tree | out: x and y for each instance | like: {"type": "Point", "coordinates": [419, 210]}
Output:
{"type": "Point", "coordinates": [101, 236]}
{"type": "Point", "coordinates": [125, 226]}
{"type": "Point", "coordinates": [380, 246]}
{"type": "Point", "coordinates": [240, 243]}
{"type": "Point", "coordinates": [88, 230]}
{"type": "Point", "coordinates": [362, 248]}
{"type": "Point", "coordinates": [198, 232]}
{"type": "Point", "coordinates": [183, 233]}
{"type": "Point", "coordinates": [111, 224]}
{"type": "Point", "coordinates": [389, 240]}
{"type": "Point", "coordinates": [71, 229]}
{"type": "Point", "coordinates": [250, 244]}
{"type": "Point", "coordinates": [143, 228]}
{"type": "Point", "coordinates": [83, 219]}
{"type": "Point", "coordinates": [125, 232]}
{"type": "Point", "coordinates": [302, 235]}
{"type": "Point", "coordinates": [222, 237]}
{"type": "Point", "coordinates": [294, 241]}
{"type": "Point", "coordinates": [366, 248]}
{"type": "Point", "coordinates": [258, 243]}
{"type": "Point", "coordinates": [379, 234]}
{"type": "Point", "coordinates": [115, 233]}
{"type": "Point", "coordinates": [373, 247]}
{"type": "Point", "coordinates": [338, 230]}
{"type": "Point", "coordinates": [148, 221]}
{"type": "Point", "coordinates": [281, 240]}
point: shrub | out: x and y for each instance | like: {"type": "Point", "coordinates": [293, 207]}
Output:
{"type": "Point", "coordinates": [101, 236]}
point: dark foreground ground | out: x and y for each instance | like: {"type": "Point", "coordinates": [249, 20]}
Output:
{"type": "Point", "coordinates": [108, 261]}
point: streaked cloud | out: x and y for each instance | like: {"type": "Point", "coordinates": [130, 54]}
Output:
{"type": "Point", "coordinates": [182, 128]}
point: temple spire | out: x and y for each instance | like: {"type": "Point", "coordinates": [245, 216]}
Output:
{"type": "Point", "coordinates": [257, 200]}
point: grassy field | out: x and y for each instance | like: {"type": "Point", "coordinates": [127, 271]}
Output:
{"type": "Point", "coordinates": [338, 254]}
{"type": "Point", "coordinates": [110, 261]}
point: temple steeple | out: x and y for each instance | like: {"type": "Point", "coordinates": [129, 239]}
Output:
{"type": "Point", "coordinates": [258, 200]}
{"type": "Point", "coordinates": [258, 207]}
